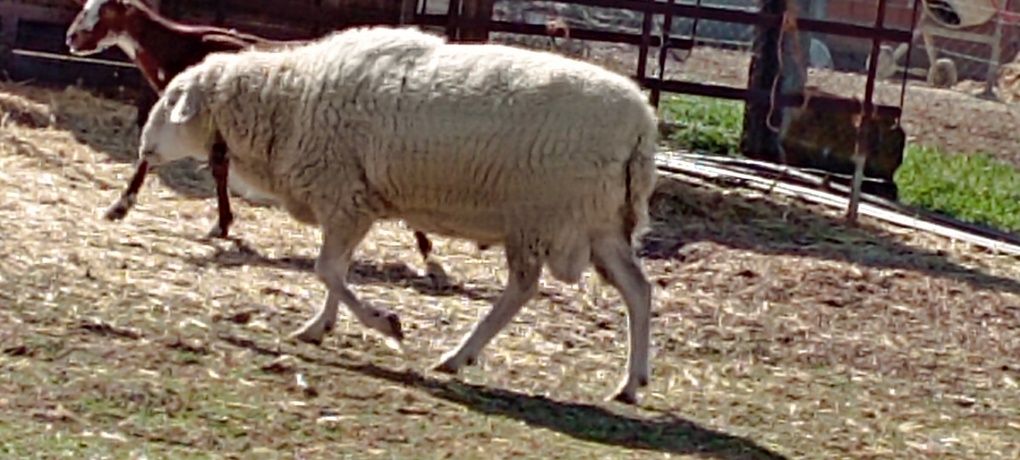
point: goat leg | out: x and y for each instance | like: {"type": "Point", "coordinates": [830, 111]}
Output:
{"type": "Point", "coordinates": [127, 199]}
{"type": "Point", "coordinates": [220, 165]}
{"type": "Point", "coordinates": [117, 211]}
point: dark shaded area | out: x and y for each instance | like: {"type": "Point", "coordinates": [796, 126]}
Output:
{"type": "Point", "coordinates": [396, 274]}
{"type": "Point", "coordinates": [684, 214]}
{"type": "Point", "coordinates": [362, 272]}
{"type": "Point", "coordinates": [681, 214]}
{"type": "Point", "coordinates": [665, 433]}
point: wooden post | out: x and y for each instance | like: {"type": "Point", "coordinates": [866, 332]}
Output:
{"type": "Point", "coordinates": [758, 141]}
{"type": "Point", "coordinates": [865, 144]}
{"type": "Point", "coordinates": [642, 65]}
{"type": "Point", "coordinates": [667, 25]}
{"type": "Point", "coordinates": [407, 9]}
{"type": "Point", "coordinates": [478, 13]}
{"type": "Point", "coordinates": [992, 77]}
{"type": "Point", "coordinates": [453, 25]}
{"type": "Point", "coordinates": [219, 13]}
{"type": "Point", "coordinates": [8, 35]}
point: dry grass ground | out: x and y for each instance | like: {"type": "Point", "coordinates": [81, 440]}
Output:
{"type": "Point", "coordinates": [778, 332]}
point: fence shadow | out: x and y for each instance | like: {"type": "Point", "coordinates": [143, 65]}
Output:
{"type": "Point", "coordinates": [683, 213]}
{"type": "Point", "coordinates": [731, 220]}
{"type": "Point", "coordinates": [665, 433]}
{"type": "Point", "coordinates": [396, 274]}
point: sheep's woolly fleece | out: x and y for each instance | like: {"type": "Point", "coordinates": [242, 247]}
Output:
{"type": "Point", "coordinates": [455, 139]}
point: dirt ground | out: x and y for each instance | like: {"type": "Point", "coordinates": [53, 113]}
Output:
{"type": "Point", "coordinates": [778, 332]}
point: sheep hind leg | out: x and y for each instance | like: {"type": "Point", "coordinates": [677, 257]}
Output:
{"type": "Point", "coordinates": [433, 270]}
{"type": "Point", "coordinates": [616, 263]}
{"type": "Point", "coordinates": [525, 268]}
{"type": "Point", "coordinates": [331, 267]}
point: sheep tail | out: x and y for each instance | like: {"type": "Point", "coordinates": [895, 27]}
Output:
{"type": "Point", "coordinates": [641, 177]}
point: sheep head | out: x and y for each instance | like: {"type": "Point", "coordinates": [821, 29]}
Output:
{"type": "Point", "coordinates": [179, 125]}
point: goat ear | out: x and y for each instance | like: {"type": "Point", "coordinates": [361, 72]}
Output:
{"type": "Point", "coordinates": [188, 105]}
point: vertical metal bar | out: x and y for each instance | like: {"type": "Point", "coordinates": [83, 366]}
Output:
{"type": "Point", "coordinates": [452, 20]}
{"type": "Point", "coordinates": [996, 57]}
{"type": "Point", "coordinates": [910, 50]}
{"type": "Point", "coordinates": [477, 15]}
{"type": "Point", "coordinates": [667, 25]}
{"type": "Point", "coordinates": [407, 8]}
{"type": "Point", "coordinates": [8, 37]}
{"type": "Point", "coordinates": [864, 131]}
{"type": "Point", "coordinates": [876, 42]}
{"type": "Point", "coordinates": [646, 31]}
{"type": "Point", "coordinates": [219, 13]}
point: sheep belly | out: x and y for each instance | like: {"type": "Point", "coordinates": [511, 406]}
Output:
{"type": "Point", "coordinates": [544, 203]}
{"type": "Point", "coordinates": [480, 190]}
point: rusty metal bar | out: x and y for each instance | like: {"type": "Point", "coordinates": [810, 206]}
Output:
{"type": "Point", "coordinates": [646, 32]}
{"type": "Point", "coordinates": [754, 18]}
{"type": "Point", "coordinates": [995, 60]}
{"type": "Point", "coordinates": [407, 11]}
{"type": "Point", "coordinates": [480, 13]}
{"type": "Point", "coordinates": [876, 43]}
{"type": "Point", "coordinates": [667, 25]}
{"type": "Point", "coordinates": [453, 20]}
{"type": "Point", "coordinates": [910, 50]}
{"type": "Point", "coordinates": [832, 103]}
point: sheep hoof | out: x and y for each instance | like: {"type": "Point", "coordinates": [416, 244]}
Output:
{"type": "Point", "coordinates": [626, 397]}
{"type": "Point", "coordinates": [446, 367]}
{"type": "Point", "coordinates": [311, 332]}
{"type": "Point", "coordinates": [438, 276]}
{"type": "Point", "coordinates": [452, 364]}
{"type": "Point", "coordinates": [627, 393]}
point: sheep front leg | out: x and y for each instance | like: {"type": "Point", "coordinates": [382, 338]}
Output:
{"type": "Point", "coordinates": [615, 262]}
{"type": "Point", "coordinates": [331, 267]}
{"type": "Point", "coordinates": [525, 267]}
{"type": "Point", "coordinates": [220, 165]}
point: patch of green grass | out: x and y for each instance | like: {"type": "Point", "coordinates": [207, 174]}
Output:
{"type": "Point", "coordinates": [705, 125]}
{"type": "Point", "coordinates": [974, 188]}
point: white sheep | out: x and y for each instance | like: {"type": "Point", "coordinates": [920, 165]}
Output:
{"type": "Point", "coordinates": [551, 158]}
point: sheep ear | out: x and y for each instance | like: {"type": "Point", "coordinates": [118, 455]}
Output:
{"type": "Point", "coordinates": [188, 105]}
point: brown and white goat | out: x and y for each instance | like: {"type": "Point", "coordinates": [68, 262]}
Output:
{"type": "Point", "coordinates": [161, 49]}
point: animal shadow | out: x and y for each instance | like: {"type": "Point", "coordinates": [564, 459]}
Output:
{"type": "Point", "coordinates": [666, 433]}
